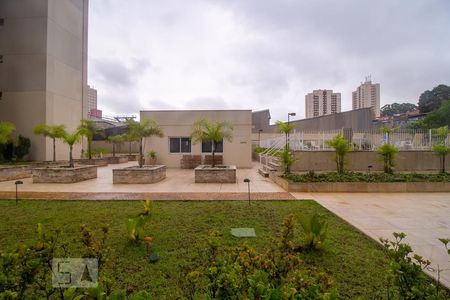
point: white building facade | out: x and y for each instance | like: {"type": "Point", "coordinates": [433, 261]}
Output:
{"type": "Point", "coordinates": [367, 95]}
{"type": "Point", "coordinates": [321, 103]}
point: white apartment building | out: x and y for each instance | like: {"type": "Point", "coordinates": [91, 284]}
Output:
{"type": "Point", "coordinates": [321, 103]}
{"type": "Point", "coordinates": [367, 95]}
{"type": "Point", "coordinates": [43, 68]}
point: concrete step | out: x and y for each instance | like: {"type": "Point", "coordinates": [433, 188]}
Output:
{"type": "Point", "coordinates": [274, 165]}
{"type": "Point", "coordinates": [263, 173]}
{"type": "Point", "coordinates": [268, 169]}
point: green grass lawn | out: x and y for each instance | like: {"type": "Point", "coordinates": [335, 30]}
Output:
{"type": "Point", "coordinates": [356, 264]}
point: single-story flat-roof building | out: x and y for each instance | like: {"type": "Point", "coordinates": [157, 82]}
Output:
{"type": "Point", "coordinates": [177, 127]}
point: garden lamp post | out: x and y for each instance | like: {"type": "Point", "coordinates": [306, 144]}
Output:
{"type": "Point", "coordinates": [259, 137]}
{"type": "Point", "coordinates": [17, 184]}
{"type": "Point", "coordinates": [248, 184]}
{"type": "Point", "coordinates": [291, 114]}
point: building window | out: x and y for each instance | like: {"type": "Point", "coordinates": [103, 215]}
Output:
{"type": "Point", "coordinates": [2, 21]}
{"type": "Point", "coordinates": [207, 147]}
{"type": "Point", "coordinates": [180, 145]}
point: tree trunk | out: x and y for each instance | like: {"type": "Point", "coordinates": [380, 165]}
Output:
{"type": "Point", "coordinates": [443, 163]}
{"type": "Point", "coordinates": [129, 149]}
{"type": "Point", "coordinates": [114, 150]}
{"type": "Point", "coordinates": [213, 152]}
{"type": "Point", "coordinates": [70, 157]}
{"type": "Point", "coordinates": [140, 154]}
{"type": "Point", "coordinates": [54, 149]}
{"type": "Point", "coordinates": [89, 149]}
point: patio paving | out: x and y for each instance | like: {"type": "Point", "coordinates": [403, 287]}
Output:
{"type": "Point", "coordinates": [179, 185]}
{"type": "Point", "coordinates": [424, 217]}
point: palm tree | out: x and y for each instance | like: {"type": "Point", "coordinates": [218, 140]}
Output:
{"type": "Point", "coordinates": [286, 129]}
{"type": "Point", "coordinates": [127, 136]}
{"type": "Point", "coordinates": [88, 128]}
{"type": "Point", "coordinates": [52, 131]}
{"type": "Point", "coordinates": [388, 153]}
{"type": "Point", "coordinates": [6, 129]}
{"type": "Point", "coordinates": [342, 147]}
{"type": "Point", "coordinates": [205, 131]}
{"type": "Point", "coordinates": [140, 130]}
{"type": "Point", "coordinates": [115, 140]}
{"type": "Point", "coordinates": [442, 149]}
{"type": "Point", "coordinates": [71, 139]}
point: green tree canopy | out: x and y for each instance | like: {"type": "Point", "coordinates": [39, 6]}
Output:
{"type": "Point", "coordinates": [342, 147]}
{"type": "Point", "coordinates": [52, 131]}
{"type": "Point", "coordinates": [204, 130]}
{"type": "Point", "coordinates": [88, 128]}
{"type": "Point", "coordinates": [432, 100]}
{"type": "Point", "coordinates": [115, 140]}
{"type": "Point", "coordinates": [6, 128]}
{"type": "Point", "coordinates": [139, 130]}
{"type": "Point", "coordinates": [439, 117]}
{"type": "Point", "coordinates": [389, 110]}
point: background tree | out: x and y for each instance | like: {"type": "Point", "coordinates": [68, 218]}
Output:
{"type": "Point", "coordinates": [342, 147]}
{"type": "Point", "coordinates": [431, 100]}
{"type": "Point", "coordinates": [115, 140]}
{"type": "Point", "coordinates": [441, 148]}
{"type": "Point", "coordinates": [140, 130]}
{"type": "Point", "coordinates": [439, 117]}
{"type": "Point", "coordinates": [389, 110]}
{"type": "Point", "coordinates": [87, 129]}
{"type": "Point", "coordinates": [206, 131]}
{"type": "Point", "coordinates": [286, 129]}
{"type": "Point", "coordinates": [52, 131]}
{"type": "Point", "coordinates": [388, 153]}
{"type": "Point", "coordinates": [22, 148]}
{"type": "Point", "coordinates": [71, 139]}
{"type": "Point", "coordinates": [6, 129]}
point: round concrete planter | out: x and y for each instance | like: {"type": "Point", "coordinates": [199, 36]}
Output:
{"type": "Point", "coordinates": [117, 159]}
{"type": "Point", "coordinates": [64, 174]}
{"type": "Point", "coordinates": [136, 175]}
{"type": "Point", "coordinates": [218, 174]}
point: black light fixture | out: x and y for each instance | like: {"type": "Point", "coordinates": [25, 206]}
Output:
{"type": "Point", "coordinates": [17, 184]}
{"type": "Point", "coordinates": [248, 184]}
{"type": "Point", "coordinates": [369, 167]}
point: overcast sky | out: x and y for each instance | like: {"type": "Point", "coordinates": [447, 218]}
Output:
{"type": "Point", "coordinates": [258, 54]}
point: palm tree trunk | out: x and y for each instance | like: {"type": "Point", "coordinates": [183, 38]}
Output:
{"type": "Point", "coordinates": [443, 163]}
{"type": "Point", "coordinates": [54, 149]}
{"type": "Point", "coordinates": [140, 153]}
{"type": "Point", "coordinates": [213, 152]}
{"type": "Point", "coordinates": [89, 149]}
{"type": "Point", "coordinates": [129, 148]}
{"type": "Point", "coordinates": [70, 157]}
{"type": "Point", "coordinates": [114, 150]}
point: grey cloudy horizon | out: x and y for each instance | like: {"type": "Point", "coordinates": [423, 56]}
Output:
{"type": "Point", "coordinates": [258, 54]}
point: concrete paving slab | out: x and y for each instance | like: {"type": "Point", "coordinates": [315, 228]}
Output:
{"type": "Point", "coordinates": [423, 217]}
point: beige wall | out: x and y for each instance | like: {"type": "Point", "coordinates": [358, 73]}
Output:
{"type": "Point", "coordinates": [43, 74]}
{"type": "Point", "coordinates": [359, 161]}
{"type": "Point", "coordinates": [179, 124]}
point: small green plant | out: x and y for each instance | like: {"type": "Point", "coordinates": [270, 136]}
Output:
{"type": "Point", "coordinates": [315, 230]}
{"type": "Point", "coordinates": [147, 206]}
{"type": "Point", "coordinates": [52, 131]}
{"type": "Point", "coordinates": [287, 160]}
{"type": "Point", "coordinates": [88, 128]}
{"type": "Point", "coordinates": [260, 149]}
{"type": "Point", "coordinates": [342, 147]}
{"type": "Point", "coordinates": [135, 228]}
{"type": "Point", "coordinates": [441, 150]}
{"type": "Point", "coordinates": [115, 140]}
{"type": "Point", "coordinates": [152, 154]}
{"type": "Point", "coordinates": [286, 129]}
{"type": "Point", "coordinates": [71, 139]}
{"type": "Point", "coordinates": [406, 277]}
{"type": "Point", "coordinates": [388, 153]}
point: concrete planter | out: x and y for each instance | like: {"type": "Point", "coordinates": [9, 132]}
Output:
{"type": "Point", "coordinates": [117, 159]}
{"type": "Point", "coordinates": [15, 172]}
{"type": "Point", "coordinates": [64, 174]}
{"type": "Point", "coordinates": [361, 187]}
{"type": "Point", "coordinates": [99, 162]}
{"type": "Point", "coordinates": [132, 157]}
{"type": "Point", "coordinates": [218, 174]}
{"type": "Point", "coordinates": [136, 175]}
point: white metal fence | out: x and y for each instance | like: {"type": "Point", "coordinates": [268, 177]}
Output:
{"type": "Point", "coordinates": [370, 140]}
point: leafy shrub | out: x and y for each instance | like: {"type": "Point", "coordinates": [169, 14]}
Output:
{"type": "Point", "coordinates": [287, 160]}
{"type": "Point", "coordinates": [260, 149]}
{"type": "Point", "coordinates": [22, 148]}
{"type": "Point", "coordinates": [406, 277]}
{"type": "Point", "coordinates": [315, 230]}
{"type": "Point", "coordinates": [147, 207]}
{"type": "Point", "coordinates": [135, 228]}
{"type": "Point", "coordinates": [364, 177]}
{"type": "Point", "coordinates": [388, 153]}
{"type": "Point", "coordinates": [441, 150]}
{"type": "Point", "coordinates": [342, 147]}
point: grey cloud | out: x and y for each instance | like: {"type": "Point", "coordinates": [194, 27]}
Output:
{"type": "Point", "coordinates": [206, 103]}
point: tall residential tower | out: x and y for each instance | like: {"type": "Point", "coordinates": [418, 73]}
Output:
{"type": "Point", "coordinates": [367, 95]}
{"type": "Point", "coordinates": [321, 103]}
{"type": "Point", "coordinates": [43, 71]}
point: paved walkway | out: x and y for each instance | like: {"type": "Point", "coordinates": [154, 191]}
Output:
{"type": "Point", "coordinates": [424, 217]}
{"type": "Point", "coordinates": [179, 185]}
